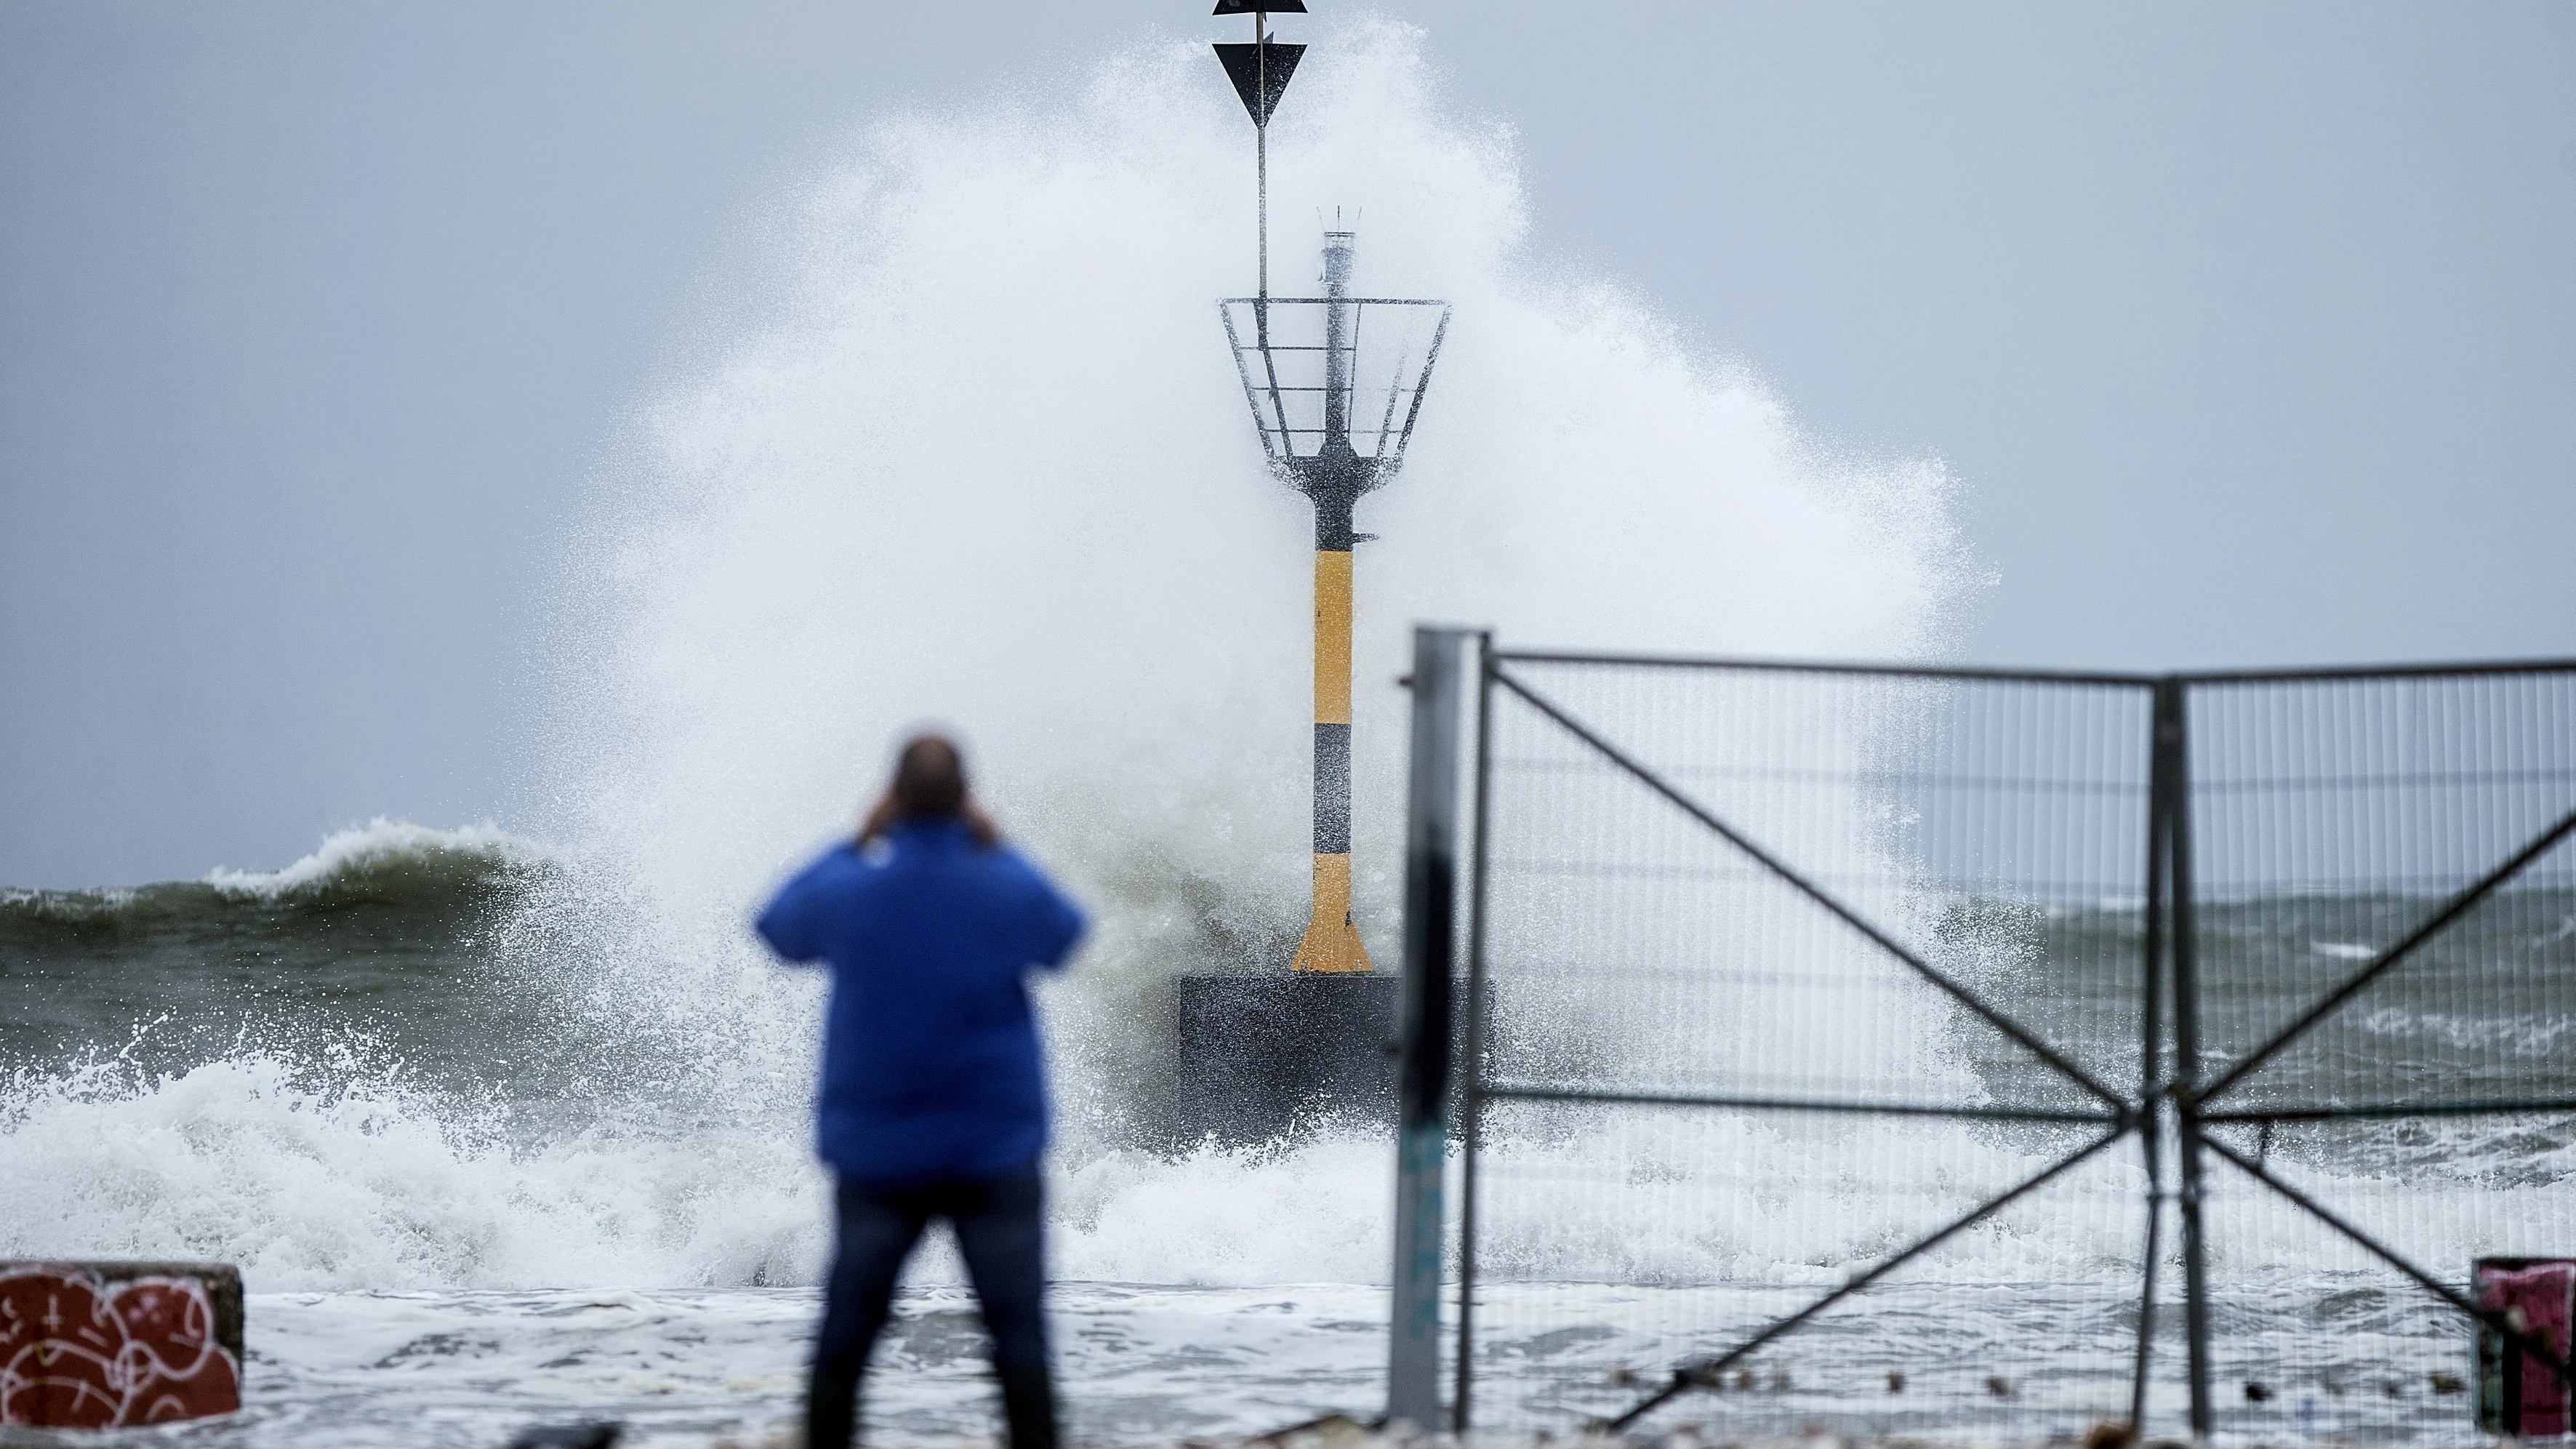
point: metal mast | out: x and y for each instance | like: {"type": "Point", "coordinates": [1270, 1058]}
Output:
{"type": "Point", "coordinates": [1334, 479]}
{"type": "Point", "coordinates": [1322, 441]}
{"type": "Point", "coordinates": [1334, 383]}
{"type": "Point", "coordinates": [1260, 73]}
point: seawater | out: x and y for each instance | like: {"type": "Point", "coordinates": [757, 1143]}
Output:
{"type": "Point", "coordinates": [511, 1124]}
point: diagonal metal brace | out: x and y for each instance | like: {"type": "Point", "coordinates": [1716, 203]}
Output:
{"type": "Point", "coordinates": [1849, 1106]}
{"type": "Point", "coordinates": [2427, 1281]}
{"type": "Point", "coordinates": [1969, 999]}
{"type": "Point", "coordinates": [2459, 906]}
{"type": "Point", "coordinates": [1251, 393]}
{"type": "Point", "coordinates": [1704, 1373]}
{"type": "Point", "coordinates": [2526, 1107]}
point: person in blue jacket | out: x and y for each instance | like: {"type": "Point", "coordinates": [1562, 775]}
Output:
{"type": "Point", "coordinates": [933, 1100]}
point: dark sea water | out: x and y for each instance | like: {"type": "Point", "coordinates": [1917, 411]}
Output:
{"type": "Point", "coordinates": [397, 950]}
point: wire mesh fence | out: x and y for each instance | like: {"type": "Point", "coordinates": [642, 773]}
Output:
{"type": "Point", "coordinates": [2384, 948]}
{"type": "Point", "coordinates": [1835, 1032]}
{"type": "Point", "coordinates": [1787, 972]}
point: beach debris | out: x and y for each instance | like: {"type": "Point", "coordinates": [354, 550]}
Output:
{"type": "Point", "coordinates": [601, 1434]}
{"type": "Point", "coordinates": [1318, 1433]}
{"type": "Point", "coordinates": [1744, 1381]}
{"type": "Point", "coordinates": [2256, 1393]}
{"type": "Point", "coordinates": [1895, 1382]}
{"type": "Point", "coordinates": [1999, 1386]}
{"type": "Point", "coordinates": [2445, 1383]}
{"type": "Point", "coordinates": [2110, 1434]}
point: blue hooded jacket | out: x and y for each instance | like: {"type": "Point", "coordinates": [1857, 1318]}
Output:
{"type": "Point", "coordinates": [930, 1053]}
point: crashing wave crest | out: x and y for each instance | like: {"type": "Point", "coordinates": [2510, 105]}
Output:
{"type": "Point", "coordinates": [382, 863]}
{"type": "Point", "coordinates": [387, 856]}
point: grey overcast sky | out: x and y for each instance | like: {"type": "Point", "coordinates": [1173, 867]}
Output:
{"type": "Point", "coordinates": [2249, 327]}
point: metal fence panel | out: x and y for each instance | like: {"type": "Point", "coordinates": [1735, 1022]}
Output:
{"type": "Point", "coordinates": [1836, 1033]}
{"type": "Point", "coordinates": [2385, 943]}
{"type": "Point", "coordinates": [1784, 973]}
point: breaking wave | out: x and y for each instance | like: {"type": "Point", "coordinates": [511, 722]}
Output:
{"type": "Point", "coordinates": [979, 456]}
{"type": "Point", "coordinates": [385, 863]}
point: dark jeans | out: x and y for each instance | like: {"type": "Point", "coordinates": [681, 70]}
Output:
{"type": "Point", "coordinates": [1001, 1237]}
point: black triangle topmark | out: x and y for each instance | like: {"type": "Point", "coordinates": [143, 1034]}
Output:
{"type": "Point", "coordinates": [1260, 78]}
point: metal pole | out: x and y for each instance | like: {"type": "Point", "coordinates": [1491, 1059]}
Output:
{"type": "Point", "coordinates": [1422, 1073]}
{"type": "Point", "coordinates": [1261, 140]}
{"type": "Point", "coordinates": [2173, 783]}
{"type": "Point", "coordinates": [2151, 1059]}
{"type": "Point", "coordinates": [1331, 942]}
{"type": "Point", "coordinates": [1337, 343]}
{"type": "Point", "coordinates": [1471, 1074]}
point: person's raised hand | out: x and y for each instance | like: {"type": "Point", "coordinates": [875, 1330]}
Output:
{"type": "Point", "coordinates": [880, 818]}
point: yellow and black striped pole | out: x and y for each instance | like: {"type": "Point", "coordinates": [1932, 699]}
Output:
{"type": "Point", "coordinates": [1332, 943]}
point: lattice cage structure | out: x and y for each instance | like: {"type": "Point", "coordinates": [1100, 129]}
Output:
{"type": "Point", "coordinates": [1961, 1054]}
{"type": "Point", "coordinates": [1317, 371]}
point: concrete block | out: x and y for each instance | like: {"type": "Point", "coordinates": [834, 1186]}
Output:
{"type": "Point", "coordinates": [106, 1345]}
{"type": "Point", "coordinates": [1264, 1057]}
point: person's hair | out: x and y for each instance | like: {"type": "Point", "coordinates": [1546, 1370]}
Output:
{"type": "Point", "coordinates": [929, 778]}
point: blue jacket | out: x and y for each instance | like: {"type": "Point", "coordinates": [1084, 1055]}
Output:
{"type": "Point", "coordinates": [930, 1053]}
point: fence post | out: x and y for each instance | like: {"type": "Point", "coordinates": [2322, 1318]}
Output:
{"type": "Point", "coordinates": [2172, 785]}
{"type": "Point", "coordinates": [1422, 1072]}
{"type": "Point", "coordinates": [1471, 1103]}
{"type": "Point", "coordinates": [2151, 1046]}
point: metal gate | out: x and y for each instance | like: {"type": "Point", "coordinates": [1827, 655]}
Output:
{"type": "Point", "coordinates": [1864, 1048]}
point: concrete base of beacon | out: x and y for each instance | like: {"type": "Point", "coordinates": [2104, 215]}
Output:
{"type": "Point", "coordinates": [1264, 1057]}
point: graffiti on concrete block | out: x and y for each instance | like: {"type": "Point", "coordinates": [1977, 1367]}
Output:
{"type": "Point", "coordinates": [78, 1353]}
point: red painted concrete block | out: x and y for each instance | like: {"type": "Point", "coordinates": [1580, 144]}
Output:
{"type": "Point", "coordinates": [2519, 1393]}
{"type": "Point", "coordinates": [101, 1345]}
